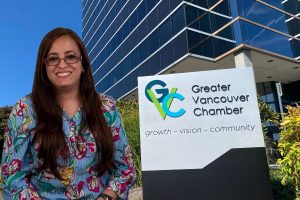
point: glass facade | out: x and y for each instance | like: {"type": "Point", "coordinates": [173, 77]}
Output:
{"type": "Point", "coordinates": [203, 23]}
{"type": "Point", "coordinates": [135, 38]}
{"type": "Point", "coordinates": [130, 38]}
{"type": "Point", "coordinates": [271, 23]}
{"type": "Point", "coordinates": [268, 93]}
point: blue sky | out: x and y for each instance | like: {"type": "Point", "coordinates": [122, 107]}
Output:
{"type": "Point", "coordinates": [23, 24]}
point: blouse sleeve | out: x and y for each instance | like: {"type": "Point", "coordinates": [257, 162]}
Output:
{"type": "Point", "coordinates": [124, 176]}
{"type": "Point", "coordinates": [16, 157]}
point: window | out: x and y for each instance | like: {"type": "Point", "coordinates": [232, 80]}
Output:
{"type": "Point", "coordinates": [261, 38]}
{"type": "Point", "coordinates": [165, 32]}
{"type": "Point", "coordinates": [227, 33]}
{"type": "Point", "coordinates": [294, 26]}
{"type": "Point", "coordinates": [143, 50]}
{"type": "Point", "coordinates": [154, 63]}
{"type": "Point", "coordinates": [153, 41]}
{"type": "Point", "coordinates": [217, 22]}
{"type": "Point", "coordinates": [292, 6]}
{"type": "Point", "coordinates": [166, 55]}
{"type": "Point", "coordinates": [180, 46]}
{"type": "Point", "coordinates": [262, 14]}
{"type": "Point", "coordinates": [178, 21]}
{"type": "Point", "coordinates": [295, 44]}
{"type": "Point", "coordinates": [163, 10]}
{"type": "Point", "coordinates": [211, 2]}
{"type": "Point", "coordinates": [150, 4]}
{"type": "Point", "coordinates": [202, 3]}
{"type": "Point", "coordinates": [142, 11]}
{"type": "Point", "coordinates": [191, 14]}
{"type": "Point", "coordinates": [222, 46]}
{"type": "Point", "coordinates": [200, 44]}
{"type": "Point", "coordinates": [198, 19]}
{"type": "Point", "coordinates": [134, 58]}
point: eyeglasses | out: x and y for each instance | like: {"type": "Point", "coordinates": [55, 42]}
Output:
{"type": "Point", "coordinates": [69, 59]}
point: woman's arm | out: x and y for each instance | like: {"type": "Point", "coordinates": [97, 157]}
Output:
{"type": "Point", "coordinates": [16, 157]}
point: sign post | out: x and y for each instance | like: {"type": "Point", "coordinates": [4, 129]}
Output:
{"type": "Point", "coordinates": [201, 137]}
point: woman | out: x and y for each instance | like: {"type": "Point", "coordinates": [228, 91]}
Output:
{"type": "Point", "coordinates": [65, 141]}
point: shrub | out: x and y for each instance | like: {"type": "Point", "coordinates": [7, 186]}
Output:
{"type": "Point", "coordinates": [268, 116]}
{"type": "Point", "coordinates": [4, 114]}
{"type": "Point", "coordinates": [280, 191]}
{"type": "Point", "coordinates": [130, 115]}
{"type": "Point", "coordinates": [289, 148]}
{"type": "Point", "coordinates": [266, 113]}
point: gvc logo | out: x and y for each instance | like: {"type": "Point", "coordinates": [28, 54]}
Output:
{"type": "Point", "coordinates": [163, 103]}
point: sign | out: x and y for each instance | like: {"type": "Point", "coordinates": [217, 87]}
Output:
{"type": "Point", "coordinates": [201, 136]}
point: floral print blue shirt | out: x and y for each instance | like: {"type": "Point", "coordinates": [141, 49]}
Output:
{"type": "Point", "coordinates": [20, 162]}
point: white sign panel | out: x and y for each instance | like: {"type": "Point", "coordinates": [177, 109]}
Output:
{"type": "Point", "coordinates": [188, 120]}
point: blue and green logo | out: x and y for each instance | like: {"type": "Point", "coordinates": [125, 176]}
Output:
{"type": "Point", "coordinates": [163, 103]}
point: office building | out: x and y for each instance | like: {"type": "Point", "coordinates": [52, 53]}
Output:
{"type": "Point", "coordinates": [130, 38]}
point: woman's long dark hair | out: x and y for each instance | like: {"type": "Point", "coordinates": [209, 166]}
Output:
{"type": "Point", "coordinates": [49, 125]}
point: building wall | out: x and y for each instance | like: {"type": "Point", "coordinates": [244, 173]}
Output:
{"type": "Point", "coordinates": [273, 28]}
{"type": "Point", "coordinates": [130, 38]}
{"type": "Point", "coordinates": [264, 24]}
{"type": "Point", "coordinates": [203, 24]}
{"type": "Point", "coordinates": [140, 39]}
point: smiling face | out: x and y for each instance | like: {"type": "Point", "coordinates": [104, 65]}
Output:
{"type": "Point", "coordinates": [64, 76]}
